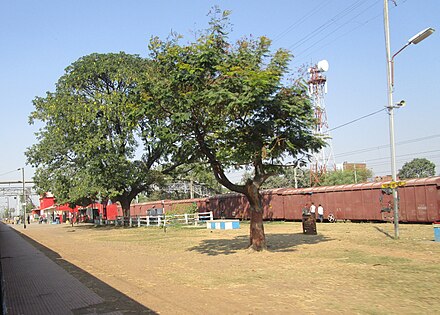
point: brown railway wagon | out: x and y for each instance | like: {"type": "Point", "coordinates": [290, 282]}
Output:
{"type": "Point", "coordinates": [228, 206]}
{"type": "Point", "coordinates": [419, 201]}
{"type": "Point", "coordinates": [357, 202]}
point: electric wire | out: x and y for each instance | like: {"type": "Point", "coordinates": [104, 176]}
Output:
{"type": "Point", "coordinates": [404, 155]}
{"type": "Point", "coordinates": [384, 146]}
{"type": "Point", "coordinates": [331, 32]}
{"type": "Point", "coordinates": [357, 119]}
{"type": "Point", "coordinates": [377, 165]}
{"type": "Point", "coordinates": [10, 172]}
{"type": "Point", "coordinates": [312, 12]}
{"type": "Point", "coordinates": [326, 25]}
{"type": "Point", "coordinates": [379, 171]}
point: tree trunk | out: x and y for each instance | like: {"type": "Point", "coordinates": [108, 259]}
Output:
{"type": "Point", "coordinates": [125, 204]}
{"type": "Point", "coordinates": [257, 236]}
{"type": "Point", "coordinates": [257, 240]}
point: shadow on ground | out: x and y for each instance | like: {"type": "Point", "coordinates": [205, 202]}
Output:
{"type": "Point", "coordinates": [114, 300]}
{"type": "Point", "coordinates": [276, 243]}
{"type": "Point", "coordinates": [91, 226]}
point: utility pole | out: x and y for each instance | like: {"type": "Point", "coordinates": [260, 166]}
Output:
{"type": "Point", "coordinates": [295, 175]}
{"type": "Point", "coordinates": [24, 199]}
{"type": "Point", "coordinates": [391, 118]}
{"type": "Point", "coordinates": [390, 76]}
{"type": "Point", "coordinates": [191, 188]}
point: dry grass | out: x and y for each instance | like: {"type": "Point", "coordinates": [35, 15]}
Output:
{"type": "Point", "coordinates": [347, 268]}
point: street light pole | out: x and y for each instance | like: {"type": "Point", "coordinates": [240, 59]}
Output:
{"type": "Point", "coordinates": [390, 80]}
{"type": "Point", "coordinates": [391, 117]}
{"type": "Point", "coordinates": [24, 199]}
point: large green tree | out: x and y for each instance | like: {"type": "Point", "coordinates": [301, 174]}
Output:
{"type": "Point", "coordinates": [91, 130]}
{"type": "Point", "coordinates": [419, 167]}
{"type": "Point", "coordinates": [230, 101]}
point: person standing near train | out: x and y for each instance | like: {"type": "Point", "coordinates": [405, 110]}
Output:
{"type": "Point", "coordinates": [312, 209]}
{"type": "Point", "coordinates": [321, 213]}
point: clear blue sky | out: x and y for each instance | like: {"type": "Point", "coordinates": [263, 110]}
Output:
{"type": "Point", "coordinates": [41, 38]}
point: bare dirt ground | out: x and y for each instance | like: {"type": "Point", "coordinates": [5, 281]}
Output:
{"type": "Point", "coordinates": [348, 268]}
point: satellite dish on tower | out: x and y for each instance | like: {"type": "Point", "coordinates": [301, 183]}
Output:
{"type": "Point", "coordinates": [323, 66]}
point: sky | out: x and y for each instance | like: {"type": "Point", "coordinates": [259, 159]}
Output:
{"type": "Point", "coordinates": [39, 39]}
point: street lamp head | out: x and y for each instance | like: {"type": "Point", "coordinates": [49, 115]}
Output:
{"type": "Point", "coordinates": [401, 104]}
{"type": "Point", "coordinates": [421, 36]}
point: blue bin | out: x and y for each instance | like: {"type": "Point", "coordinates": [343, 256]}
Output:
{"type": "Point", "coordinates": [436, 231]}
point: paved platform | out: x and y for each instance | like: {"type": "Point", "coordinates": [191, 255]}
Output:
{"type": "Point", "coordinates": [34, 284]}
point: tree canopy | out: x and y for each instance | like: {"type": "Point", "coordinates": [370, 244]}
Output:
{"type": "Point", "coordinates": [231, 103]}
{"type": "Point", "coordinates": [417, 168]}
{"type": "Point", "coordinates": [92, 129]}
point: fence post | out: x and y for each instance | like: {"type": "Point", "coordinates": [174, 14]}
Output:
{"type": "Point", "coordinates": [131, 222]}
{"type": "Point", "coordinates": [211, 216]}
{"type": "Point", "coordinates": [186, 218]}
{"type": "Point", "coordinates": [139, 221]}
{"type": "Point", "coordinates": [158, 221]}
{"type": "Point", "coordinates": [148, 220]}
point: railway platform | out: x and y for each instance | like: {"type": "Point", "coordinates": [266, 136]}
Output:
{"type": "Point", "coordinates": [32, 283]}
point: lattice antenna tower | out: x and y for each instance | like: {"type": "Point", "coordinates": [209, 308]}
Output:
{"type": "Point", "coordinates": [323, 160]}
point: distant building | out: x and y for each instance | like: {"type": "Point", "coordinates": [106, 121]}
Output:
{"type": "Point", "coordinates": [354, 166]}
{"type": "Point", "coordinates": [385, 178]}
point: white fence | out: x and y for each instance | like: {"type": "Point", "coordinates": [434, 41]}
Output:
{"type": "Point", "coordinates": [166, 220]}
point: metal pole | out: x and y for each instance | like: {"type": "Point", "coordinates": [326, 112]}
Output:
{"type": "Point", "coordinates": [295, 176]}
{"type": "Point", "coordinates": [24, 199]}
{"type": "Point", "coordinates": [391, 118]}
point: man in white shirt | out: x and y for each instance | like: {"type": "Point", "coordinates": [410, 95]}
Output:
{"type": "Point", "coordinates": [312, 209]}
{"type": "Point", "coordinates": [320, 213]}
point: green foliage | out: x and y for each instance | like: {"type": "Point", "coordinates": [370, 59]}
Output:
{"type": "Point", "coordinates": [343, 177]}
{"type": "Point", "coordinates": [417, 168]}
{"type": "Point", "coordinates": [229, 104]}
{"type": "Point", "coordinates": [92, 127]}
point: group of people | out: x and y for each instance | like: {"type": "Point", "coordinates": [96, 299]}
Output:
{"type": "Point", "coordinates": [320, 211]}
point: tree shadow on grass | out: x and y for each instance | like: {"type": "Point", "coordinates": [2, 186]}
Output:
{"type": "Point", "coordinates": [113, 299]}
{"type": "Point", "coordinates": [94, 227]}
{"type": "Point", "coordinates": [90, 226]}
{"type": "Point", "coordinates": [286, 242]}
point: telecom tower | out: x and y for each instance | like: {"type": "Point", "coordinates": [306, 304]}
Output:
{"type": "Point", "coordinates": [323, 160]}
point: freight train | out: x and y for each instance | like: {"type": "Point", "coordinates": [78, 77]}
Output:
{"type": "Point", "coordinates": [419, 202]}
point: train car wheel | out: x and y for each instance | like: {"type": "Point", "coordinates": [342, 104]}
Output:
{"type": "Point", "coordinates": [331, 218]}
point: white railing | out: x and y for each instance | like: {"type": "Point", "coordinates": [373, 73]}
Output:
{"type": "Point", "coordinates": [165, 220]}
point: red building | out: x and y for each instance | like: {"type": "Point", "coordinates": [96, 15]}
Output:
{"type": "Point", "coordinates": [49, 211]}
